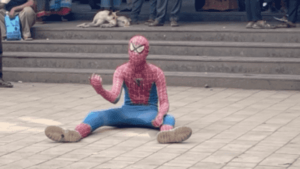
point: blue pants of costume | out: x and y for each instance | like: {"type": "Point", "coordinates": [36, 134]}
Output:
{"type": "Point", "coordinates": [126, 116]}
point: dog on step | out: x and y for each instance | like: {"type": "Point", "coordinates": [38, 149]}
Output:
{"type": "Point", "coordinates": [107, 19]}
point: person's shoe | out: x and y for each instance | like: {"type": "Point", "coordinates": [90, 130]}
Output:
{"type": "Point", "coordinates": [5, 84]}
{"type": "Point", "coordinates": [291, 24]}
{"type": "Point", "coordinates": [250, 24]}
{"type": "Point", "coordinates": [27, 39]}
{"type": "Point", "coordinates": [262, 25]}
{"type": "Point", "coordinates": [149, 21]}
{"type": "Point", "coordinates": [58, 134]}
{"type": "Point", "coordinates": [174, 23]}
{"type": "Point", "coordinates": [283, 19]}
{"type": "Point", "coordinates": [156, 23]}
{"type": "Point", "coordinates": [176, 135]}
{"type": "Point", "coordinates": [286, 25]}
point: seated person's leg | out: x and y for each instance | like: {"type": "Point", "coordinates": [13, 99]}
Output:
{"type": "Point", "coordinates": [94, 120]}
{"type": "Point", "coordinates": [168, 124]}
{"type": "Point", "coordinates": [28, 18]}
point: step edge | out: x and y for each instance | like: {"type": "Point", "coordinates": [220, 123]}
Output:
{"type": "Point", "coordinates": [81, 56]}
{"type": "Point", "coordinates": [167, 73]}
{"type": "Point", "coordinates": [162, 43]}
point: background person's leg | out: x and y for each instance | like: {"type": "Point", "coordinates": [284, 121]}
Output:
{"type": "Point", "coordinates": [106, 4]}
{"type": "Point", "coordinates": [153, 12]}
{"type": "Point", "coordinates": [2, 82]}
{"type": "Point", "coordinates": [136, 9]}
{"type": "Point", "coordinates": [248, 10]}
{"type": "Point", "coordinates": [255, 10]}
{"type": "Point", "coordinates": [2, 23]}
{"type": "Point", "coordinates": [27, 18]}
{"type": "Point", "coordinates": [176, 10]}
{"type": "Point", "coordinates": [161, 9]}
{"type": "Point", "coordinates": [293, 10]}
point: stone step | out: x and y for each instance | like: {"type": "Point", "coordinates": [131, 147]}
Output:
{"type": "Point", "coordinates": [188, 48]}
{"type": "Point", "coordinates": [203, 16]}
{"type": "Point", "coordinates": [196, 79]}
{"type": "Point", "coordinates": [225, 64]}
{"type": "Point", "coordinates": [186, 32]}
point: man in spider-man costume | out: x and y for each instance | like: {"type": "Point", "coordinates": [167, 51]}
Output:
{"type": "Point", "coordinates": [144, 85]}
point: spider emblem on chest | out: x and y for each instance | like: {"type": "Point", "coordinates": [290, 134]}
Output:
{"type": "Point", "coordinates": [138, 81]}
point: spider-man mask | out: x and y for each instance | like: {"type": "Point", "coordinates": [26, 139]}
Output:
{"type": "Point", "coordinates": [138, 49]}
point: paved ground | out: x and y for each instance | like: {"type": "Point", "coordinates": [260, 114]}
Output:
{"type": "Point", "coordinates": [232, 129]}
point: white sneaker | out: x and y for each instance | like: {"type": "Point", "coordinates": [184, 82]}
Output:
{"type": "Point", "coordinates": [58, 134]}
{"type": "Point", "coordinates": [176, 135]}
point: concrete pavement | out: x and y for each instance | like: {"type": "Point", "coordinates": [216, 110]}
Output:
{"type": "Point", "coordinates": [232, 129]}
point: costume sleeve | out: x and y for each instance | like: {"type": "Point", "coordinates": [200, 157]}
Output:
{"type": "Point", "coordinates": [162, 93]}
{"type": "Point", "coordinates": [114, 94]}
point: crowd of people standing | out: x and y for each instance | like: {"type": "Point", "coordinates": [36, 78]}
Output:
{"type": "Point", "coordinates": [158, 10]}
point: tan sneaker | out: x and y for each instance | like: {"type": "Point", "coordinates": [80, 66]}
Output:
{"type": "Point", "coordinates": [174, 23]}
{"type": "Point", "coordinates": [250, 24]}
{"type": "Point", "coordinates": [58, 134]}
{"type": "Point", "coordinates": [176, 135]}
{"type": "Point", "coordinates": [262, 25]}
{"type": "Point", "coordinates": [156, 23]}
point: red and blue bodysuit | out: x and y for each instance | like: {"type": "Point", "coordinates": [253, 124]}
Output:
{"type": "Point", "coordinates": [144, 85]}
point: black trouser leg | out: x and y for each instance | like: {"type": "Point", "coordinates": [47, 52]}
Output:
{"type": "Point", "coordinates": [253, 9]}
{"type": "Point", "coordinates": [277, 4]}
{"type": "Point", "coordinates": [293, 10]}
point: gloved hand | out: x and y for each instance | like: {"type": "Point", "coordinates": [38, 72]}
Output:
{"type": "Point", "coordinates": [158, 121]}
{"type": "Point", "coordinates": [96, 82]}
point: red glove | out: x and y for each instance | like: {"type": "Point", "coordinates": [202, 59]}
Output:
{"type": "Point", "coordinates": [158, 121]}
{"type": "Point", "coordinates": [96, 82]}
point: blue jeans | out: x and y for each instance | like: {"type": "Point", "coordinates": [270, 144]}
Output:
{"type": "Point", "coordinates": [162, 6]}
{"type": "Point", "coordinates": [110, 3]}
{"type": "Point", "coordinates": [137, 6]}
{"type": "Point", "coordinates": [293, 10]}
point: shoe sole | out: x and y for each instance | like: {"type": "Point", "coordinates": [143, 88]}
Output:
{"type": "Point", "coordinates": [58, 134]}
{"type": "Point", "coordinates": [176, 135]}
{"type": "Point", "coordinates": [280, 19]}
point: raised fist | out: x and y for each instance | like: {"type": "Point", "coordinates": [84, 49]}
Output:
{"type": "Point", "coordinates": [96, 81]}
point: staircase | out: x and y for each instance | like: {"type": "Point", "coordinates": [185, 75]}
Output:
{"type": "Point", "coordinates": [222, 55]}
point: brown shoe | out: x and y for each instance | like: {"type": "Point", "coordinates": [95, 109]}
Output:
{"type": "Point", "coordinates": [291, 24]}
{"type": "Point", "coordinates": [156, 23]}
{"type": "Point", "coordinates": [262, 25]}
{"type": "Point", "coordinates": [149, 21]}
{"type": "Point", "coordinates": [5, 84]}
{"type": "Point", "coordinates": [286, 25]}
